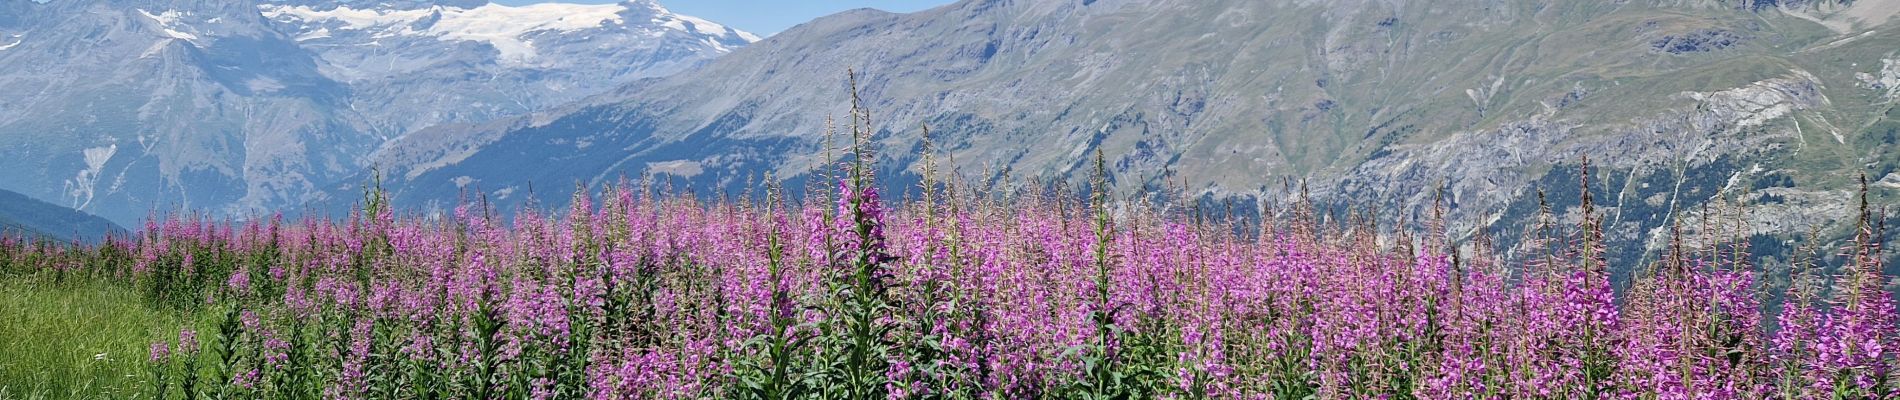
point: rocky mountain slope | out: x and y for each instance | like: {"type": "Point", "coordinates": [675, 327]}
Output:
{"type": "Point", "coordinates": [1678, 104]}
{"type": "Point", "coordinates": [121, 107]}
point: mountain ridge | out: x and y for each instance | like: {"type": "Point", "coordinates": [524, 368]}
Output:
{"type": "Point", "coordinates": [22, 216]}
{"type": "Point", "coordinates": [1678, 104]}
{"type": "Point", "coordinates": [239, 108]}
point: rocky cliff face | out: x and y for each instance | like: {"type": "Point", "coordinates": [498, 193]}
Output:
{"type": "Point", "coordinates": [128, 106]}
{"type": "Point", "coordinates": [124, 107]}
{"type": "Point", "coordinates": [1678, 103]}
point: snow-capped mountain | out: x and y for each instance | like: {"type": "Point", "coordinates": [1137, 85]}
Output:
{"type": "Point", "coordinates": [404, 60]}
{"type": "Point", "coordinates": [123, 107]}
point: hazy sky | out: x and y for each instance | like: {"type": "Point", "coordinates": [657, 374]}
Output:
{"type": "Point", "coordinates": [766, 17]}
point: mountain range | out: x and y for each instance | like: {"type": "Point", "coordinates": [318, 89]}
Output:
{"type": "Point", "coordinates": [1681, 106]}
{"type": "Point", "coordinates": [242, 107]}
{"type": "Point", "coordinates": [1376, 105]}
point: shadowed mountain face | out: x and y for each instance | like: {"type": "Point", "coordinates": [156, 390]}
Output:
{"type": "Point", "coordinates": [22, 216]}
{"type": "Point", "coordinates": [1372, 103]}
{"type": "Point", "coordinates": [242, 107]}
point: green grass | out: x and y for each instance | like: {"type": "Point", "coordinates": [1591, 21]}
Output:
{"type": "Point", "coordinates": [79, 339]}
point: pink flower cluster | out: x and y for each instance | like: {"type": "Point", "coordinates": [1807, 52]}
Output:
{"type": "Point", "coordinates": [644, 296]}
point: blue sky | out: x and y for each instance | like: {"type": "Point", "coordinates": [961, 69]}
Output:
{"type": "Point", "coordinates": [766, 17]}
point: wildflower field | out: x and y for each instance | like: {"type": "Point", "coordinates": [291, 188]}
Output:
{"type": "Point", "coordinates": [957, 294]}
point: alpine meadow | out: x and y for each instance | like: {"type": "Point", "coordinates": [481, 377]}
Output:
{"type": "Point", "coordinates": [967, 199]}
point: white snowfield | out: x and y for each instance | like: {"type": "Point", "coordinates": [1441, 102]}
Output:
{"type": "Point", "coordinates": [169, 25]}
{"type": "Point", "coordinates": [506, 28]}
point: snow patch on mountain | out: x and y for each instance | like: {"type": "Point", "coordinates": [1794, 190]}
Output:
{"type": "Point", "coordinates": [17, 40]}
{"type": "Point", "coordinates": [350, 18]}
{"type": "Point", "coordinates": [169, 25]}
{"type": "Point", "coordinates": [687, 23]}
{"type": "Point", "coordinates": [509, 29]}
{"type": "Point", "coordinates": [314, 35]}
{"type": "Point", "coordinates": [503, 27]}
{"type": "Point", "coordinates": [82, 184]}
{"type": "Point", "coordinates": [1886, 81]}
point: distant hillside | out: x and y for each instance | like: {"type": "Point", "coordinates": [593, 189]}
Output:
{"type": "Point", "coordinates": [20, 214]}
